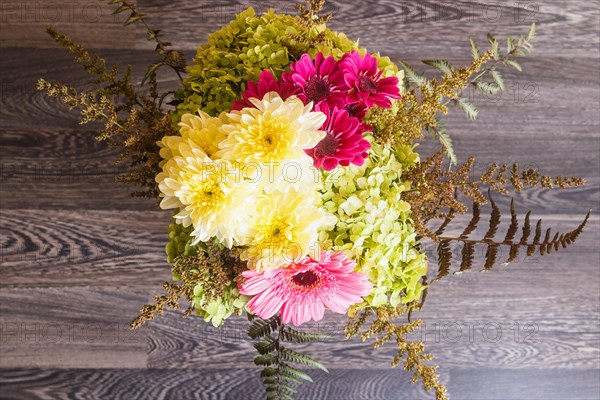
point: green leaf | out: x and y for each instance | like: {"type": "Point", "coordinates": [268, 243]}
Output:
{"type": "Point", "coordinates": [443, 137]}
{"type": "Point", "coordinates": [269, 371]}
{"type": "Point", "coordinates": [532, 32]}
{"type": "Point", "coordinates": [474, 49]}
{"type": "Point", "coordinates": [287, 370]}
{"type": "Point", "coordinates": [260, 328]}
{"type": "Point", "coordinates": [469, 108]}
{"type": "Point", "coordinates": [513, 64]}
{"type": "Point", "coordinates": [415, 79]}
{"type": "Point", "coordinates": [293, 335]}
{"type": "Point", "coordinates": [120, 9]}
{"type": "Point", "coordinates": [133, 18]}
{"type": "Point", "coordinates": [267, 359]}
{"type": "Point", "coordinates": [495, 47]}
{"type": "Point", "coordinates": [152, 70]}
{"type": "Point", "coordinates": [490, 88]}
{"type": "Point", "coordinates": [497, 78]}
{"type": "Point", "coordinates": [265, 346]}
{"type": "Point", "coordinates": [298, 358]}
{"type": "Point", "coordinates": [509, 44]}
{"type": "Point", "coordinates": [441, 65]}
{"type": "Point", "coordinates": [290, 380]}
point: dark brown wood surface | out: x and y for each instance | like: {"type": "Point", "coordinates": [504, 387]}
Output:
{"type": "Point", "coordinates": [79, 256]}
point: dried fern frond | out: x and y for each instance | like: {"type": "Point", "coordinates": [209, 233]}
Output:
{"type": "Point", "coordinates": [435, 188]}
{"type": "Point", "coordinates": [543, 241]}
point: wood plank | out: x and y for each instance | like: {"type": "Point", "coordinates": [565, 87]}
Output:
{"type": "Point", "coordinates": [71, 327]}
{"type": "Point", "coordinates": [57, 248]}
{"type": "Point", "coordinates": [24, 23]}
{"type": "Point", "coordinates": [213, 384]}
{"type": "Point", "coordinates": [206, 384]}
{"type": "Point", "coordinates": [530, 384]}
{"type": "Point", "coordinates": [84, 247]}
{"type": "Point", "coordinates": [428, 29]}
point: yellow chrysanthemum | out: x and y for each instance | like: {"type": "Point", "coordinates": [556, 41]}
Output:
{"type": "Point", "coordinates": [202, 131]}
{"type": "Point", "coordinates": [210, 194]}
{"type": "Point", "coordinates": [286, 228]}
{"type": "Point", "coordinates": [272, 138]}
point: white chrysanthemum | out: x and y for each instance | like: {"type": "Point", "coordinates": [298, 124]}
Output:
{"type": "Point", "coordinates": [286, 228]}
{"type": "Point", "coordinates": [210, 194]}
{"type": "Point", "coordinates": [271, 138]}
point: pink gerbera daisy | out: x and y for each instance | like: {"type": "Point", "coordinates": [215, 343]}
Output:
{"type": "Point", "coordinates": [318, 81]}
{"type": "Point", "coordinates": [343, 143]}
{"type": "Point", "coordinates": [266, 83]}
{"type": "Point", "coordinates": [363, 77]}
{"type": "Point", "coordinates": [301, 291]}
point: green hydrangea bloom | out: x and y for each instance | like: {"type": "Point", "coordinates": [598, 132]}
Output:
{"type": "Point", "coordinates": [179, 243]}
{"type": "Point", "coordinates": [374, 224]}
{"type": "Point", "coordinates": [250, 44]}
{"type": "Point", "coordinates": [217, 310]}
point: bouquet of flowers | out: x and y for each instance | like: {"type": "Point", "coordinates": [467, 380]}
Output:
{"type": "Point", "coordinates": [288, 160]}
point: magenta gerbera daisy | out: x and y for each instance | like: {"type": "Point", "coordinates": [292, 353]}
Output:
{"type": "Point", "coordinates": [359, 110]}
{"type": "Point", "coordinates": [318, 81]}
{"type": "Point", "coordinates": [301, 291]}
{"type": "Point", "coordinates": [266, 83]}
{"type": "Point", "coordinates": [343, 143]}
{"type": "Point", "coordinates": [363, 78]}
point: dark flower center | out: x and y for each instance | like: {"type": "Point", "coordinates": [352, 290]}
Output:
{"type": "Point", "coordinates": [317, 89]}
{"type": "Point", "coordinates": [354, 110]}
{"type": "Point", "coordinates": [306, 278]}
{"type": "Point", "coordinates": [327, 146]}
{"type": "Point", "coordinates": [367, 84]}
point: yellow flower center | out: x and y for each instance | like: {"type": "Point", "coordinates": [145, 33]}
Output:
{"type": "Point", "coordinates": [270, 138]}
{"type": "Point", "coordinates": [273, 236]}
{"type": "Point", "coordinates": [205, 193]}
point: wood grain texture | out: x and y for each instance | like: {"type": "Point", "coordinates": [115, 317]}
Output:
{"type": "Point", "coordinates": [79, 256]}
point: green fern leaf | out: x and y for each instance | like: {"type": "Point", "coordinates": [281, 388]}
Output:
{"type": "Point", "coordinates": [265, 346]}
{"type": "Point", "coordinates": [290, 355]}
{"type": "Point", "coordinates": [292, 335]}
{"type": "Point", "coordinates": [266, 359]}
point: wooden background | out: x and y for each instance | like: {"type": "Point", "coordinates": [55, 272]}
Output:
{"type": "Point", "coordinates": [79, 257]}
